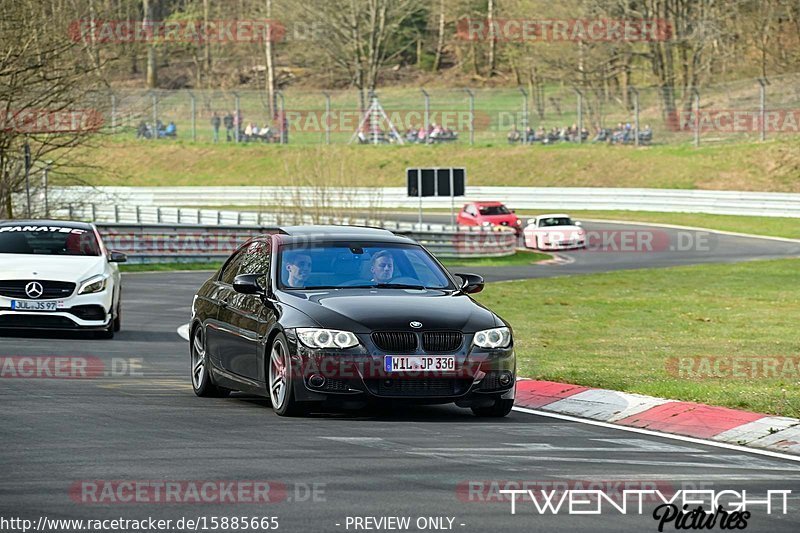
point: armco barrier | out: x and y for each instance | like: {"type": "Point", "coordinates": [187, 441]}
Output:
{"type": "Point", "coordinates": [545, 198]}
{"type": "Point", "coordinates": [158, 243]}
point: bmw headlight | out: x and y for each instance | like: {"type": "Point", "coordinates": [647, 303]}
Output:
{"type": "Point", "coordinates": [92, 285]}
{"type": "Point", "coordinates": [493, 338]}
{"type": "Point", "coordinates": [326, 338]}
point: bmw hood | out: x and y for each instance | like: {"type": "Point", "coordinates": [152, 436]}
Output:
{"type": "Point", "coordinates": [72, 268]}
{"type": "Point", "coordinates": [367, 310]}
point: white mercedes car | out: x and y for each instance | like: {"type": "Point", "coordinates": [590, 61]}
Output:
{"type": "Point", "coordinates": [58, 275]}
{"type": "Point", "coordinates": [554, 232]}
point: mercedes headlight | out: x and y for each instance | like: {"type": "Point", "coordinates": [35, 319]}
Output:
{"type": "Point", "coordinates": [326, 338]}
{"type": "Point", "coordinates": [493, 338]}
{"type": "Point", "coordinates": [92, 285]}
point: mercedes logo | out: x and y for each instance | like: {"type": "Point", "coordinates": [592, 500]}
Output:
{"type": "Point", "coordinates": [34, 289]}
{"type": "Point", "coordinates": [415, 324]}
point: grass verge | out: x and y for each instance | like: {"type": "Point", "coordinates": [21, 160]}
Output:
{"type": "Point", "coordinates": [166, 267]}
{"type": "Point", "coordinates": [658, 332]}
{"type": "Point", "coordinates": [770, 166]}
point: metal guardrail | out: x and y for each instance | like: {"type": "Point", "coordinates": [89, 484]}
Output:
{"type": "Point", "coordinates": [545, 198]}
{"type": "Point", "coordinates": [160, 243]}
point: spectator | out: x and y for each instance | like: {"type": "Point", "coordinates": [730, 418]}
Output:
{"type": "Point", "coordinates": [228, 121]}
{"type": "Point", "coordinates": [248, 132]}
{"type": "Point", "coordinates": [215, 124]}
{"type": "Point", "coordinates": [514, 135]}
{"type": "Point", "coordinates": [171, 130]}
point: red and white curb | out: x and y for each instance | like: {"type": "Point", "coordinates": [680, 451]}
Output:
{"type": "Point", "coordinates": [720, 424]}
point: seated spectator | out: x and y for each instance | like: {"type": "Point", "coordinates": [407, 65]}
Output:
{"type": "Point", "coordinates": [248, 131]}
{"type": "Point", "coordinates": [514, 135]}
{"type": "Point", "coordinates": [171, 130]}
{"type": "Point", "coordinates": [422, 135]}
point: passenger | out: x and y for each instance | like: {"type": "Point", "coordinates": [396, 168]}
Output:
{"type": "Point", "coordinates": [299, 267]}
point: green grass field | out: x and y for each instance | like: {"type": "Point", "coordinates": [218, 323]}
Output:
{"type": "Point", "coordinates": [770, 166]}
{"type": "Point", "coordinates": [623, 330]}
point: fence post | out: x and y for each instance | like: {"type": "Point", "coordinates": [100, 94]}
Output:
{"type": "Point", "coordinates": [327, 120]}
{"type": "Point", "coordinates": [237, 121]}
{"type": "Point", "coordinates": [762, 107]}
{"type": "Point", "coordinates": [116, 213]}
{"type": "Point", "coordinates": [524, 115]}
{"type": "Point", "coordinates": [580, 115]}
{"type": "Point", "coordinates": [199, 216]}
{"type": "Point", "coordinates": [282, 117]}
{"type": "Point", "coordinates": [155, 116]}
{"type": "Point", "coordinates": [94, 212]}
{"type": "Point", "coordinates": [158, 215]}
{"type": "Point", "coordinates": [427, 111]}
{"type": "Point", "coordinates": [696, 95]}
{"type": "Point", "coordinates": [219, 218]}
{"type": "Point", "coordinates": [113, 111]}
{"type": "Point", "coordinates": [471, 115]}
{"type": "Point", "coordinates": [138, 214]}
{"type": "Point", "coordinates": [69, 212]}
{"type": "Point", "coordinates": [635, 115]}
{"type": "Point", "coordinates": [44, 185]}
{"type": "Point", "coordinates": [194, 117]}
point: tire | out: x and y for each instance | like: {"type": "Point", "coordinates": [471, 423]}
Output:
{"type": "Point", "coordinates": [500, 409]}
{"type": "Point", "coordinates": [202, 383]}
{"type": "Point", "coordinates": [107, 332]}
{"type": "Point", "coordinates": [539, 243]}
{"type": "Point", "coordinates": [118, 318]}
{"type": "Point", "coordinates": [280, 379]}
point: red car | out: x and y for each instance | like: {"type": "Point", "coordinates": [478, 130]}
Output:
{"type": "Point", "coordinates": [488, 214]}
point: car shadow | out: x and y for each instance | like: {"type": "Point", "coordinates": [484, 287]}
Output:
{"type": "Point", "coordinates": [387, 412]}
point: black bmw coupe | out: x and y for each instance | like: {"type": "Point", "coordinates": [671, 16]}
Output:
{"type": "Point", "coordinates": [354, 315]}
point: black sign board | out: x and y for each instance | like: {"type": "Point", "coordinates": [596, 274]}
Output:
{"type": "Point", "coordinates": [436, 181]}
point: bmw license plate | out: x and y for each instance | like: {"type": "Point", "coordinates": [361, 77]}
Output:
{"type": "Point", "coordinates": [421, 363]}
{"type": "Point", "coordinates": [28, 305]}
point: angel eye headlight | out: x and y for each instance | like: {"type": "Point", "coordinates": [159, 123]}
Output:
{"type": "Point", "coordinates": [493, 338]}
{"type": "Point", "coordinates": [326, 338]}
{"type": "Point", "coordinates": [92, 285]}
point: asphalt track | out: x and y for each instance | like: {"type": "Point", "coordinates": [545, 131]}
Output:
{"type": "Point", "coordinates": [148, 425]}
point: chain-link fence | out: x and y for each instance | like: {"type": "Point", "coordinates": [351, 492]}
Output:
{"type": "Point", "coordinates": [740, 111]}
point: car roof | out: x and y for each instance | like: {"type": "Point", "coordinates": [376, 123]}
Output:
{"type": "Point", "coordinates": [47, 222]}
{"type": "Point", "coordinates": [334, 232]}
{"type": "Point", "coordinates": [553, 215]}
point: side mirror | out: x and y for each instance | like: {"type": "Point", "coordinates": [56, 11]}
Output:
{"type": "Point", "coordinates": [578, 223]}
{"type": "Point", "coordinates": [117, 257]}
{"type": "Point", "coordinates": [247, 283]}
{"type": "Point", "coordinates": [472, 283]}
{"type": "Point", "coordinates": [513, 210]}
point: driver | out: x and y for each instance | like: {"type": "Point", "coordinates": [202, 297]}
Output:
{"type": "Point", "coordinates": [382, 267]}
{"type": "Point", "coordinates": [299, 267]}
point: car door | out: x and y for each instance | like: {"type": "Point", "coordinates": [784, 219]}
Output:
{"type": "Point", "coordinates": [219, 296]}
{"type": "Point", "coordinates": [244, 317]}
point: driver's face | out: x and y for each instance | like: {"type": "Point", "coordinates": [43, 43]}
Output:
{"type": "Point", "coordinates": [383, 269]}
{"type": "Point", "coordinates": [299, 269]}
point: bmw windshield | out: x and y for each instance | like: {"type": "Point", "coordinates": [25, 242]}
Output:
{"type": "Point", "coordinates": [351, 265]}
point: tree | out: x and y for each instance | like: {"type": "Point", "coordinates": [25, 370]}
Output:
{"type": "Point", "coordinates": [46, 92]}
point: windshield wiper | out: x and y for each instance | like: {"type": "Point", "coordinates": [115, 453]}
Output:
{"type": "Point", "coordinates": [398, 286]}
